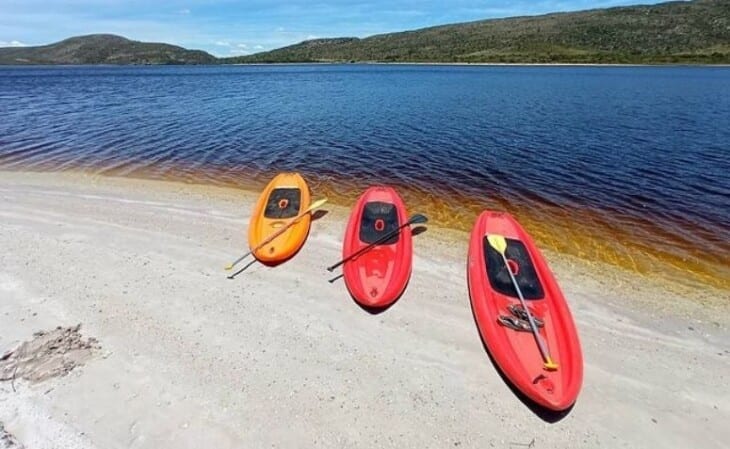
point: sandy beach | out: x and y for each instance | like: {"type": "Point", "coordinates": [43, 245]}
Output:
{"type": "Point", "coordinates": [182, 357]}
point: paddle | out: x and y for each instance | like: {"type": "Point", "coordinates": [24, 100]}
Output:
{"type": "Point", "coordinates": [416, 219]}
{"type": "Point", "coordinates": [499, 243]}
{"type": "Point", "coordinates": [315, 205]}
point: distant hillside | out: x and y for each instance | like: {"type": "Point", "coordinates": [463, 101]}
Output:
{"type": "Point", "coordinates": [677, 32]}
{"type": "Point", "coordinates": [104, 49]}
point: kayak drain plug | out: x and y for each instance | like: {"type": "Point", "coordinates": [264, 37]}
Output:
{"type": "Point", "coordinates": [545, 382]}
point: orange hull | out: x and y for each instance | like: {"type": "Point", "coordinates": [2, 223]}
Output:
{"type": "Point", "coordinates": [283, 199]}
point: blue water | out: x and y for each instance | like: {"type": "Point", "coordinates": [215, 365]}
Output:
{"type": "Point", "coordinates": [642, 151]}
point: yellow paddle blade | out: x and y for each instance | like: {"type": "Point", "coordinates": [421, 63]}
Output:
{"type": "Point", "coordinates": [316, 205]}
{"type": "Point", "coordinates": [498, 242]}
{"type": "Point", "coordinates": [550, 365]}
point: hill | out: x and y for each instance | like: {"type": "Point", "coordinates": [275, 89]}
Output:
{"type": "Point", "coordinates": [676, 32]}
{"type": "Point", "coordinates": [104, 49]}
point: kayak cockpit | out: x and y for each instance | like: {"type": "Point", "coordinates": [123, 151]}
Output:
{"type": "Point", "coordinates": [521, 265]}
{"type": "Point", "coordinates": [378, 220]}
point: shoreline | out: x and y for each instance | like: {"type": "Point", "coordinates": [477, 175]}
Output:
{"type": "Point", "coordinates": [452, 242]}
{"type": "Point", "coordinates": [280, 357]}
{"type": "Point", "coordinates": [454, 64]}
{"type": "Point", "coordinates": [582, 234]}
{"type": "Point", "coordinates": [484, 64]}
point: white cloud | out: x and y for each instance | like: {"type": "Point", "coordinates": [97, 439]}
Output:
{"type": "Point", "coordinates": [243, 46]}
{"type": "Point", "coordinates": [223, 43]}
{"type": "Point", "coordinates": [12, 44]}
{"type": "Point", "coordinates": [258, 47]}
{"type": "Point", "coordinates": [184, 12]}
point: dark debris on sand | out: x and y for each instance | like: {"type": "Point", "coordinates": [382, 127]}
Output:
{"type": "Point", "coordinates": [7, 440]}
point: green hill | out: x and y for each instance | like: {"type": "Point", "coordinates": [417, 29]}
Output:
{"type": "Point", "coordinates": [676, 32]}
{"type": "Point", "coordinates": [104, 49]}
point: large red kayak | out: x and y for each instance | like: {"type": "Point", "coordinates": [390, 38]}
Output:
{"type": "Point", "coordinates": [493, 294]}
{"type": "Point", "coordinates": [378, 276]}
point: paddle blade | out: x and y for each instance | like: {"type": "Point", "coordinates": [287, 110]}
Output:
{"type": "Point", "coordinates": [228, 267]}
{"type": "Point", "coordinates": [550, 365]}
{"type": "Point", "coordinates": [418, 219]}
{"type": "Point", "coordinates": [497, 242]}
{"type": "Point", "coordinates": [317, 204]}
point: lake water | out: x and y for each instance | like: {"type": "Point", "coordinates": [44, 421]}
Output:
{"type": "Point", "coordinates": [629, 165]}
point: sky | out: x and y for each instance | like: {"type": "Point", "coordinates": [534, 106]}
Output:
{"type": "Point", "coordinates": [229, 28]}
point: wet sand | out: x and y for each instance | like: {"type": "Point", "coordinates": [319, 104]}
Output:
{"type": "Point", "coordinates": [279, 357]}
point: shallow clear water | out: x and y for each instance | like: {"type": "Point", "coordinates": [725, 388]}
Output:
{"type": "Point", "coordinates": [629, 165]}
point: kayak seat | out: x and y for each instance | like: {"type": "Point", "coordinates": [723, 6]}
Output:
{"type": "Point", "coordinates": [379, 219]}
{"type": "Point", "coordinates": [526, 275]}
{"type": "Point", "coordinates": [283, 203]}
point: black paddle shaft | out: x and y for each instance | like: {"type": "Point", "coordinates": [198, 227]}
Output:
{"type": "Point", "coordinates": [418, 218]}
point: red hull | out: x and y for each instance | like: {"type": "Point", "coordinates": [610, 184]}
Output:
{"type": "Point", "coordinates": [378, 277]}
{"type": "Point", "coordinates": [515, 352]}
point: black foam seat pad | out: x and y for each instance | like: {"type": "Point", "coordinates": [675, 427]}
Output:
{"type": "Point", "coordinates": [526, 276]}
{"type": "Point", "coordinates": [370, 231]}
{"type": "Point", "coordinates": [289, 197]}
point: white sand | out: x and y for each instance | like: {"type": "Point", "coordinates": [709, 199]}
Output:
{"type": "Point", "coordinates": [279, 357]}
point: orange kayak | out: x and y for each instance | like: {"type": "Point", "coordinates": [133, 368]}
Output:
{"type": "Point", "coordinates": [283, 199]}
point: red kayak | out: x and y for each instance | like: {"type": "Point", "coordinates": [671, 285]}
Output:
{"type": "Point", "coordinates": [501, 320]}
{"type": "Point", "coordinates": [378, 276]}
